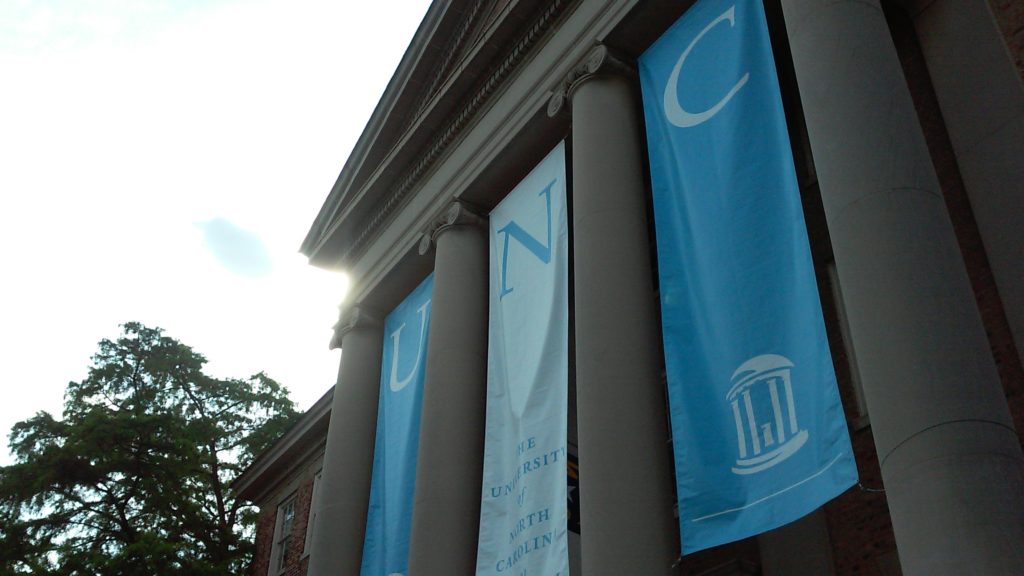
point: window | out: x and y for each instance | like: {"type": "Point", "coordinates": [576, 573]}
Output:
{"type": "Point", "coordinates": [314, 508]}
{"type": "Point", "coordinates": [282, 536]}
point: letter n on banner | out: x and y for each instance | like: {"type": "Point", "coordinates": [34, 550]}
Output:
{"type": "Point", "coordinates": [389, 517]}
{"type": "Point", "coordinates": [523, 511]}
{"type": "Point", "coordinates": [759, 434]}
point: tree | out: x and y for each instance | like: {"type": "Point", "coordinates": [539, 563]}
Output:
{"type": "Point", "coordinates": [136, 477]}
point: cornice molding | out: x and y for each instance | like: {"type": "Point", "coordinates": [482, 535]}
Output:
{"type": "Point", "coordinates": [600, 61]}
{"type": "Point", "coordinates": [458, 214]}
{"type": "Point", "coordinates": [455, 124]}
{"type": "Point", "coordinates": [350, 318]}
{"type": "Point", "coordinates": [455, 49]}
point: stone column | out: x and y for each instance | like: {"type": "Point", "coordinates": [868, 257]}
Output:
{"type": "Point", "coordinates": [627, 525]}
{"type": "Point", "coordinates": [982, 101]}
{"type": "Point", "coordinates": [337, 542]}
{"type": "Point", "coordinates": [446, 515]}
{"type": "Point", "coordinates": [950, 458]}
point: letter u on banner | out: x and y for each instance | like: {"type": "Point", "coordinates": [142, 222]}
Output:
{"type": "Point", "coordinates": [759, 434]}
{"type": "Point", "coordinates": [389, 517]}
{"type": "Point", "coordinates": [524, 512]}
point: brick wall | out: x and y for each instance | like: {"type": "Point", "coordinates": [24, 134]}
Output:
{"type": "Point", "coordinates": [264, 541]}
{"type": "Point", "coordinates": [1010, 15]}
{"type": "Point", "coordinates": [298, 562]}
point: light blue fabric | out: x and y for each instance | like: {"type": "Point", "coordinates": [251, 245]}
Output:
{"type": "Point", "coordinates": [760, 437]}
{"type": "Point", "coordinates": [523, 512]}
{"type": "Point", "coordinates": [389, 517]}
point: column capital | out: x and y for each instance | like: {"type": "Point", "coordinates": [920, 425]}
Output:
{"type": "Point", "coordinates": [458, 213]}
{"type": "Point", "coordinates": [600, 61]}
{"type": "Point", "coordinates": [350, 318]}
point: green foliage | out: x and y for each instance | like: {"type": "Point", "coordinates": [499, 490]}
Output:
{"type": "Point", "coordinates": [135, 479]}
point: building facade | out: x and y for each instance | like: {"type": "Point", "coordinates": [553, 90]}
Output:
{"type": "Point", "coordinates": [906, 119]}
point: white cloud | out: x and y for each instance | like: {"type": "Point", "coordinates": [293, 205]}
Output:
{"type": "Point", "coordinates": [239, 250]}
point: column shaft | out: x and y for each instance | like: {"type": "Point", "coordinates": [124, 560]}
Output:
{"type": "Point", "coordinates": [446, 514]}
{"type": "Point", "coordinates": [950, 458]}
{"type": "Point", "coordinates": [982, 102]}
{"type": "Point", "coordinates": [337, 542]}
{"type": "Point", "coordinates": [627, 524]}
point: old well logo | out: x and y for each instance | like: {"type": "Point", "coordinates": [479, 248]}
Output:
{"type": "Point", "coordinates": [768, 434]}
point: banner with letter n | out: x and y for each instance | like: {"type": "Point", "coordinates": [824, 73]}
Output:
{"type": "Point", "coordinates": [523, 512]}
{"type": "Point", "coordinates": [759, 434]}
{"type": "Point", "coordinates": [389, 517]}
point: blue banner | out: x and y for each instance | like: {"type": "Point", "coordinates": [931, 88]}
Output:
{"type": "Point", "coordinates": [759, 434]}
{"type": "Point", "coordinates": [523, 512]}
{"type": "Point", "coordinates": [389, 517]}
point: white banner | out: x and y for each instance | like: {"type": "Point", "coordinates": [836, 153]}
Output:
{"type": "Point", "coordinates": [523, 515]}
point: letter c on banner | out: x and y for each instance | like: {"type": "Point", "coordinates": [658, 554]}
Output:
{"type": "Point", "coordinates": [673, 110]}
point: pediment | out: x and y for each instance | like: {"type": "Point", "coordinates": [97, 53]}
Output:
{"type": "Point", "coordinates": [459, 56]}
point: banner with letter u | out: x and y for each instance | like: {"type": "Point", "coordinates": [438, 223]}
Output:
{"type": "Point", "coordinates": [523, 512]}
{"type": "Point", "coordinates": [759, 434]}
{"type": "Point", "coordinates": [389, 517]}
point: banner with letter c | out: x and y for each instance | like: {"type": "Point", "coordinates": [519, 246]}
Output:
{"type": "Point", "coordinates": [759, 434]}
{"type": "Point", "coordinates": [523, 512]}
{"type": "Point", "coordinates": [389, 517]}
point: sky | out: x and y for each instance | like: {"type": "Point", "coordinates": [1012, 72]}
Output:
{"type": "Point", "coordinates": [161, 161]}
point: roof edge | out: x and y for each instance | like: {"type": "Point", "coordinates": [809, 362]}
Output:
{"type": "Point", "coordinates": [409, 63]}
{"type": "Point", "coordinates": [292, 444]}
